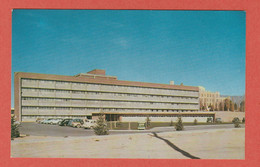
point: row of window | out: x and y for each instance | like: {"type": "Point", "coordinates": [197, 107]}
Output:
{"type": "Point", "coordinates": [103, 109]}
{"type": "Point", "coordinates": [210, 95]}
{"type": "Point", "coordinates": [46, 100]}
{"type": "Point", "coordinates": [25, 90]}
{"type": "Point", "coordinates": [52, 116]}
{"type": "Point", "coordinates": [98, 85]}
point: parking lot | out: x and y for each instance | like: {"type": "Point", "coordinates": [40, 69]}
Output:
{"type": "Point", "coordinates": [35, 129]}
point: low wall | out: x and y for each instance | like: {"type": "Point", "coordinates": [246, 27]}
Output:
{"type": "Point", "coordinates": [163, 119]}
{"type": "Point", "coordinates": [227, 116]}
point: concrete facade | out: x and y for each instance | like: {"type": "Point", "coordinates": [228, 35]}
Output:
{"type": "Point", "coordinates": [44, 96]}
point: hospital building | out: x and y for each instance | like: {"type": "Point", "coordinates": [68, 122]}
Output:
{"type": "Point", "coordinates": [86, 95]}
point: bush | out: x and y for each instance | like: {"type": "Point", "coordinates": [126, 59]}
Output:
{"type": "Point", "coordinates": [236, 119]}
{"type": "Point", "coordinates": [195, 122]}
{"type": "Point", "coordinates": [179, 125]}
{"type": "Point", "coordinates": [243, 120]}
{"type": "Point", "coordinates": [101, 127]}
{"type": "Point", "coordinates": [236, 122]}
{"type": "Point", "coordinates": [14, 129]}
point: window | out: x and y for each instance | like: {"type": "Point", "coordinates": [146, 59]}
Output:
{"type": "Point", "coordinates": [78, 92]}
{"type": "Point", "coordinates": [62, 91]}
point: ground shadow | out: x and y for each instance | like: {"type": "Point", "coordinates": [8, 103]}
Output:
{"type": "Point", "coordinates": [175, 147]}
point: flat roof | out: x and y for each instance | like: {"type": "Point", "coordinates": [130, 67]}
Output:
{"type": "Point", "coordinates": [102, 81]}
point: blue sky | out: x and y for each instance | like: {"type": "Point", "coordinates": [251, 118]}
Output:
{"type": "Point", "coordinates": [196, 48]}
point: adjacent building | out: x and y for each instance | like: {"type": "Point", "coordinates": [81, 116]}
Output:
{"type": "Point", "coordinates": [208, 99]}
{"type": "Point", "coordinates": [86, 95]}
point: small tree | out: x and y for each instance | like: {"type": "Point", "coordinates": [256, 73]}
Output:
{"type": "Point", "coordinates": [235, 107]}
{"type": "Point", "coordinates": [179, 125]}
{"type": "Point", "coordinates": [221, 106]}
{"type": "Point", "coordinates": [236, 119]}
{"type": "Point", "coordinates": [227, 104]}
{"type": "Point", "coordinates": [243, 120]}
{"type": "Point", "coordinates": [216, 107]}
{"type": "Point", "coordinates": [195, 122]}
{"type": "Point", "coordinates": [242, 106]}
{"type": "Point", "coordinates": [237, 124]}
{"type": "Point", "coordinates": [14, 129]}
{"type": "Point", "coordinates": [148, 122]}
{"type": "Point", "coordinates": [101, 126]}
{"type": "Point", "coordinates": [232, 106]}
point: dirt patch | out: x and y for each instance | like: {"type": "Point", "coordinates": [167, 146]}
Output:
{"type": "Point", "coordinates": [206, 144]}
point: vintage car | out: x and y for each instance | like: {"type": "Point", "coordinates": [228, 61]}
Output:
{"type": "Point", "coordinates": [89, 123]}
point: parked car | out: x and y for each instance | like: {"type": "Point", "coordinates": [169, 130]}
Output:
{"type": "Point", "coordinates": [89, 123]}
{"type": "Point", "coordinates": [76, 123]}
{"type": "Point", "coordinates": [47, 121]}
{"type": "Point", "coordinates": [209, 120]}
{"type": "Point", "coordinates": [39, 120]}
{"type": "Point", "coordinates": [65, 122]}
{"type": "Point", "coordinates": [70, 123]}
{"type": "Point", "coordinates": [43, 121]}
{"type": "Point", "coordinates": [55, 121]}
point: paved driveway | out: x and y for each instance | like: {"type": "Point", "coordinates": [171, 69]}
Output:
{"type": "Point", "coordinates": [35, 129]}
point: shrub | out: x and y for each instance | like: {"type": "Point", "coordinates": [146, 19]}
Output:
{"type": "Point", "coordinates": [236, 122]}
{"type": "Point", "coordinates": [236, 119]}
{"type": "Point", "coordinates": [14, 129]}
{"type": "Point", "coordinates": [101, 126]}
{"type": "Point", "coordinates": [243, 120]}
{"type": "Point", "coordinates": [195, 122]}
{"type": "Point", "coordinates": [179, 125]}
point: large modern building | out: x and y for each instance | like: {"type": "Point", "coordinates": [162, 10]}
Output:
{"type": "Point", "coordinates": [89, 94]}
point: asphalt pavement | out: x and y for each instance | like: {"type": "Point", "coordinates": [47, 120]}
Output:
{"type": "Point", "coordinates": [35, 129]}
